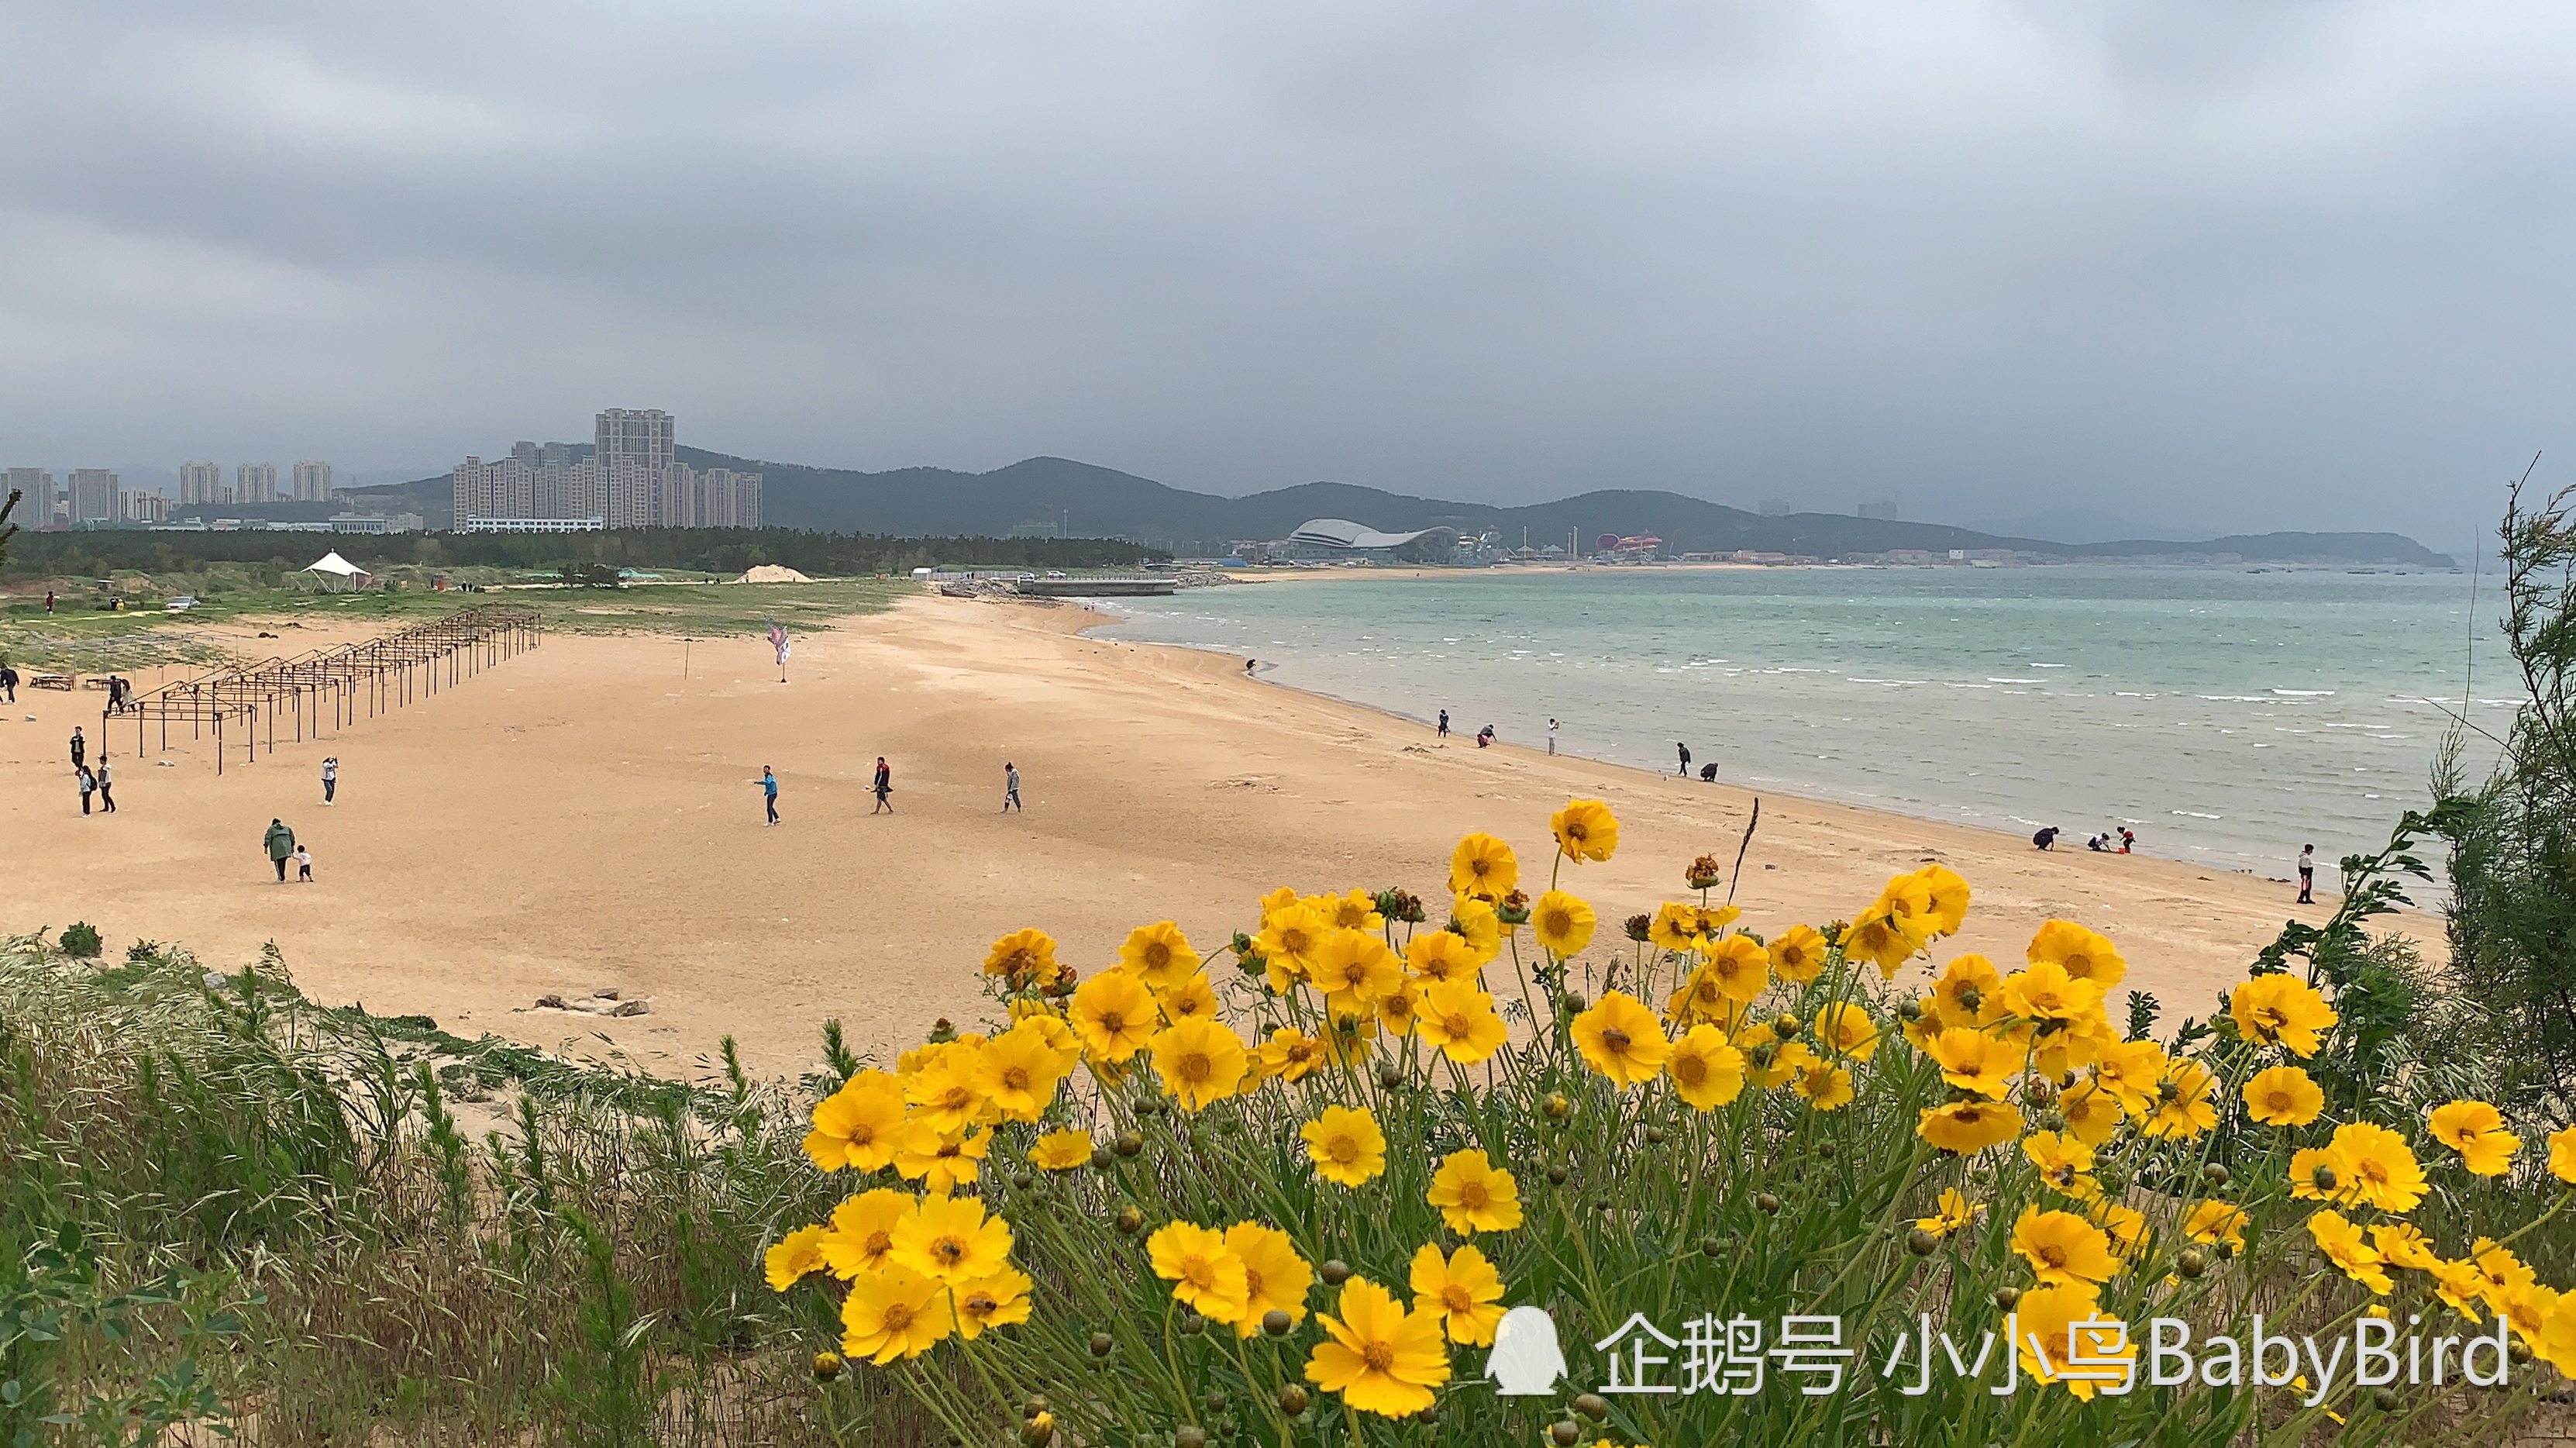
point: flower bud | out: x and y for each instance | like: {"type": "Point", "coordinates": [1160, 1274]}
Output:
{"type": "Point", "coordinates": [2191, 1262]}
{"type": "Point", "coordinates": [1215, 1400]}
{"type": "Point", "coordinates": [1786, 1026]}
{"type": "Point", "coordinates": [1192, 1324]}
{"type": "Point", "coordinates": [1716, 1246]}
{"type": "Point", "coordinates": [1765, 1202]}
{"type": "Point", "coordinates": [1130, 1220]}
{"type": "Point", "coordinates": [1909, 1009]}
{"type": "Point", "coordinates": [2324, 1176]}
{"type": "Point", "coordinates": [1921, 1242]}
{"type": "Point", "coordinates": [1038, 1431]}
{"type": "Point", "coordinates": [1565, 1434]}
{"type": "Point", "coordinates": [1558, 1106]}
{"type": "Point", "coordinates": [1293, 1400]}
{"type": "Point", "coordinates": [1335, 1271]}
{"type": "Point", "coordinates": [1129, 1143]}
{"type": "Point", "coordinates": [1034, 1406]}
{"type": "Point", "coordinates": [1569, 1003]}
{"type": "Point", "coordinates": [2384, 1399]}
{"type": "Point", "coordinates": [2007, 1298]}
{"type": "Point", "coordinates": [1102, 1344]}
{"type": "Point", "coordinates": [1825, 1149]}
{"type": "Point", "coordinates": [1276, 1322]}
{"type": "Point", "coordinates": [1100, 1158]}
{"type": "Point", "coordinates": [2214, 1174]}
{"type": "Point", "coordinates": [1023, 1180]}
{"type": "Point", "coordinates": [1638, 927]}
{"type": "Point", "coordinates": [1702, 874]}
{"type": "Point", "coordinates": [1556, 1174]}
{"type": "Point", "coordinates": [1654, 1136]}
{"type": "Point", "coordinates": [827, 1366]}
{"type": "Point", "coordinates": [1390, 1076]}
{"type": "Point", "coordinates": [2040, 1092]}
{"type": "Point", "coordinates": [1190, 1437]}
{"type": "Point", "coordinates": [1593, 1406]}
{"type": "Point", "coordinates": [1513, 909]}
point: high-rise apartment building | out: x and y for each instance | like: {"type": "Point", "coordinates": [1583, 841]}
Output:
{"type": "Point", "coordinates": [35, 488]}
{"type": "Point", "coordinates": [202, 483]}
{"type": "Point", "coordinates": [138, 506]}
{"type": "Point", "coordinates": [93, 495]}
{"type": "Point", "coordinates": [255, 483]}
{"type": "Point", "coordinates": [312, 481]}
{"type": "Point", "coordinates": [632, 479]}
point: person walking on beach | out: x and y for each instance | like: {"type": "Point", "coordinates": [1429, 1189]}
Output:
{"type": "Point", "coordinates": [1684, 771]}
{"type": "Point", "coordinates": [303, 863]}
{"type": "Point", "coordinates": [1011, 788]}
{"type": "Point", "coordinates": [80, 748]}
{"type": "Point", "coordinates": [8, 684]}
{"type": "Point", "coordinates": [769, 792]}
{"type": "Point", "coordinates": [280, 843]}
{"type": "Point", "coordinates": [1444, 723]}
{"type": "Point", "coordinates": [1551, 736]}
{"type": "Point", "coordinates": [883, 788]}
{"type": "Point", "coordinates": [2308, 875]}
{"type": "Point", "coordinates": [106, 801]}
{"type": "Point", "coordinates": [330, 777]}
{"type": "Point", "coordinates": [88, 785]}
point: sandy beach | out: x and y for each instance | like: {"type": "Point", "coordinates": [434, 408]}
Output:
{"type": "Point", "coordinates": [587, 817]}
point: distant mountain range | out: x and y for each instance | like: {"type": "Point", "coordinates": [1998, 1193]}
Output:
{"type": "Point", "coordinates": [1095, 502]}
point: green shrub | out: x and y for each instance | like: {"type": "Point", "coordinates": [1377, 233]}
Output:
{"type": "Point", "coordinates": [81, 942]}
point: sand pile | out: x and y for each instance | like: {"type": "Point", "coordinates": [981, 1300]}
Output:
{"type": "Point", "coordinates": [773, 573]}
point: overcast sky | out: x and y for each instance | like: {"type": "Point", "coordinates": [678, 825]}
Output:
{"type": "Point", "coordinates": [2244, 264]}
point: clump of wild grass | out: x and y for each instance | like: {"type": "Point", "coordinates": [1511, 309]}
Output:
{"type": "Point", "coordinates": [235, 1203]}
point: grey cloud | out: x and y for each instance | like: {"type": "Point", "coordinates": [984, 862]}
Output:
{"type": "Point", "coordinates": [2295, 264]}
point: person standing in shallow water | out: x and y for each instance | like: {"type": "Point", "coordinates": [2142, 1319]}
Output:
{"type": "Point", "coordinates": [1444, 723]}
{"type": "Point", "coordinates": [2307, 874]}
{"type": "Point", "coordinates": [883, 788]}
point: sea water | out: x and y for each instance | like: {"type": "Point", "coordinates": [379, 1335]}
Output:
{"type": "Point", "coordinates": [2226, 716]}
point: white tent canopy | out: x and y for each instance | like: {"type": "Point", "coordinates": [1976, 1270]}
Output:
{"type": "Point", "coordinates": [332, 563]}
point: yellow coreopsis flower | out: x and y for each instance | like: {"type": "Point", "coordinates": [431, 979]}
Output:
{"type": "Point", "coordinates": [1949, 893]}
{"type": "Point", "coordinates": [1205, 1273]}
{"type": "Point", "coordinates": [1192, 1000]}
{"type": "Point", "coordinates": [1024, 958]}
{"type": "Point", "coordinates": [2323, 1174]}
{"type": "Point", "coordinates": [1706, 1071]}
{"type": "Point", "coordinates": [1159, 955]}
{"type": "Point", "coordinates": [1484, 867]}
{"type": "Point", "coordinates": [1845, 1029]}
{"type": "Point", "coordinates": [1476, 922]}
{"type": "Point", "coordinates": [2503, 1272]}
{"type": "Point", "coordinates": [1827, 1087]}
{"type": "Point", "coordinates": [2063, 1249]}
{"type": "Point", "coordinates": [2562, 1154]}
{"type": "Point", "coordinates": [792, 1256]}
{"type": "Point", "coordinates": [2401, 1245]}
{"type": "Point", "coordinates": [2064, 1322]}
{"type": "Point", "coordinates": [2341, 1241]}
{"type": "Point", "coordinates": [1952, 1214]}
{"type": "Point", "coordinates": [944, 1092]}
{"type": "Point", "coordinates": [941, 1161]}
{"type": "Point", "coordinates": [2385, 1173]}
{"type": "Point", "coordinates": [1882, 939]}
{"type": "Point", "coordinates": [1769, 1062]}
{"type": "Point", "coordinates": [1439, 955]}
{"type": "Point", "coordinates": [1115, 1015]}
{"type": "Point", "coordinates": [1969, 992]}
{"type": "Point", "coordinates": [2131, 1071]}
{"type": "Point", "coordinates": [1474, 1195]}
{"type": "Point", "coordinates": [2475, 1129]}
{"type": "Point", "coordinates": [1061, 1151]}
{"type": "Point", "coordinates": [951, 1240]}
{"type": "Point", "coordinates": [1561, 924]}
{"type": "Point", "coordinates": [989, 1302]}
{"type": "Point", "coordinates": [1018, 1072]}
{"type": "Point", "coordinates": [1346, 1145]}
{"type": "Point", "coordinates": [1275, 1278]}
{"type": "Point", "coordinates": [896, 1313]}
{"type": "Point", "coordinates": [1463, 1290]}
{"type": "Point", "coordinates": [2081, 953]}
{"type": "Point", "coordinates": [1350, 910]}
{"type": "Point", "coordinates": [2216, 1222]}
{"type": "Point", "coordinates": [2046, 992]}
{"type": "Point", "coordinates": [1353, 968]}
{"type": "Point", "coordinates": [1977, 1061]}
{"type": "Point", "coordinates": [1585, 830]}
{"type": "Point", "coordinates": [2284, 1096]}
{"type": "Point", "coordinates": [1379, 1357]}
{"type": "Point", "coordinates": [2093, 1115]}
{"type": "Point", "coordinates": [1400, 1009]}
{"type": "Point", "coordinates": [1291, 1055]}
{"type": "Point", "coordinates": [1199, 1061]}
{"type": "Point", "coordinates": [1966, 1127]}
{"type": "Point", "coordinates": [1798, 954]}
{"type": "Point", "coordinates": [1907, 900]}
{"type": "Point", "coordinates": [2060, 1159]}
{"type": "Point", "coordinates": [1621, 1039]}
{"type": "Point", "coordinates": [2279, 1011]}
{"type": "Point", "coordinates": [1461, 1020]}
{"type": "Point", "coordinates": [858, 1125]}
{"type": "Point", "coordinates": [1736, 968]}
{"type": "Point", "coordinates": [2186, 1103]}
{"type": "Point", "coordinates": [861, 1238]}
{"type": "Point", "coordinates": [1289, 938]}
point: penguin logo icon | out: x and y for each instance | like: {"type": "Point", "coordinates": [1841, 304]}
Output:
{"type": "Point", "coordinates": [1526, 1361]}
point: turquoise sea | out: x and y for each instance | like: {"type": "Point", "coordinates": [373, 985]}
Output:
{"type": "Point", "coordinates": [2226, 716]}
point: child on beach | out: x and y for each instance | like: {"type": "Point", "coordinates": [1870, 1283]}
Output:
{"type": "Point", "coordinates": [1011, 788]}
{"type": "Point", "coordinates": [303, 863]}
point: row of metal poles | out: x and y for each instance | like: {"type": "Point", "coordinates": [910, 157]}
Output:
{"type": "Point", "coordinates": [380, 674]}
